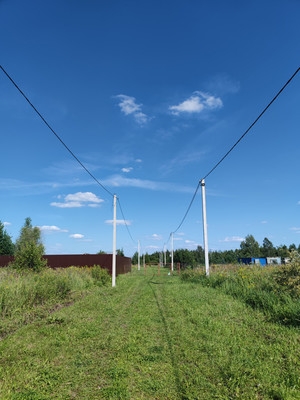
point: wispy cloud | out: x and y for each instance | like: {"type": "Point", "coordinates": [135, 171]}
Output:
{"type": "Point", "coordinates": [155, 236]}
{"type": "Point", "coordinates": [118, 222]}
{"type": "Point", "coordinates": [129, 106]}
{"type": "Point", "coordinates": [230, 239]}
{"type": "Point", "coordinates": [184, 158]}
{"type": "Point", "coordinates": [295, 229]}
{"type": "Point", "coordinates": [77, 236]}
{"type": "Point", "coordinates": [51, 228]}
{"type": "Point", "coordinates": [223, 84]}
{"type": "Point", "coordinates": [79, 199]}
{"type": "Point", "coordinates": [129, 169]}
{"type": "Point", "coordinates": [197, 103]}
{"type": "Point", "coordinates": [5, 223]}
{"type": "Point", "coordinates": [121, 181]}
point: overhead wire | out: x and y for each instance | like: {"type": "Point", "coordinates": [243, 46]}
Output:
{"type": "Point", "coordinates": [253, 123]}
{"type": "Point", "coordinates": [125, 221]}
{"type": "Point", "coordinates": [53, 131]}
{"type": "Point", "coordinates": [197, 188]}
{"type": "Point", "coordinates": [232, 147]}
{"type": "Point", "coordinates": [187, 211]}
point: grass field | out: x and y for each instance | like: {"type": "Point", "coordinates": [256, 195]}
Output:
{"type": "Point", "coordinates": [151, 337]}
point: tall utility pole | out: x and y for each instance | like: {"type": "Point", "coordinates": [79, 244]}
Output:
{"type": "Point", "coordinates": [172, 252]}
{"type": "Point", "coordinates": [139, 250]}
{"type": "Point", "coordinates": [205, 228]}
{"type": "Point", "coordinates": [113, 274]}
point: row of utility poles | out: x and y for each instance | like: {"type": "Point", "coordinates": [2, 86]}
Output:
{"type": "Point", "coordinates": [205, 238]}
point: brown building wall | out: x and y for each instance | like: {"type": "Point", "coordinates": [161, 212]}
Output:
{"type": "Point", "coordinates": [123, 264]}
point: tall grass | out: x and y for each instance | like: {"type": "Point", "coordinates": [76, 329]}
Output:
{"type": "Point", "coordinates": [262, 288]}
{"type": "Point", "coordinates": [25, 295]}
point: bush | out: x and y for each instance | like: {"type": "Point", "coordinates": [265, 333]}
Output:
{"type": "Point", "coordinates": [29, 248]}
{"type": "Point", "coordinates": [287, 276]}
{"type": "Point", "coordinates": [100, 275]}
{"type": "Point", "coordinates": [30, 256]}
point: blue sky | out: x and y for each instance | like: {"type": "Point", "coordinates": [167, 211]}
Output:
{"type": "Point", "coordinates": [149, 95]}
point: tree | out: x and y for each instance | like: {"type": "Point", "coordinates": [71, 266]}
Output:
{"type": "Point", "coordinates": [120, 252]}
{"type": "Point", "coordinates": [282, 251]}
{"type": "Point", "coordinates": [249, 247]}
{"type": "Point", "coordinates": [7, 247]}
{"type": "Point", "coordinates": [101, 252]}
{"type": "Point", "coordinates": [29, 248]}
{"type": "Point", "coordinates": [267, 249]}
{"type": "Point", "coordinates": [184, 257]}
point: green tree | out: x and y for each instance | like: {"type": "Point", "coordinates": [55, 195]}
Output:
{"type": "Point", "coordinates": [29, 248]}
{"type": "Point", "coordinates": [282, 251]}
{"type": "Point", "coordinates": [249, 247]}
{"type": "Point", "coordinates": [184, 257]}
{"type": "Point", "coordinates": [120, 252]}
{"type": "Point", "coordinates": [292, 247]}
{"type": "Point", "coordinates": [267, 249]}
{"type": "Point", "coordinates": [7, 247]}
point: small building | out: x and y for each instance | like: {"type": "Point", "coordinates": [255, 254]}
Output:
{"type": "Point", "coordinates": [273, 260]}
{"type": "Point", "coordinates": [253, 260]}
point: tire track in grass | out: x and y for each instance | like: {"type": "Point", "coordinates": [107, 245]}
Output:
{"type": "Point", "coordinates": [155, 287]}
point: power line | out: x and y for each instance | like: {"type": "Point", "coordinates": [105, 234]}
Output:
{"type": "Point", "coordinates": [188, 209]}
{"type": "Point", "coordinates": [125, 222]}
{"type": "Point", "coordinates": [253, 123]}
{"type": "Point", "coordinates": [232, 147]}
{"type": "Point", "coordinates": [52, 130]}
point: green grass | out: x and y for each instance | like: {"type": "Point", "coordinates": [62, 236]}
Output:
{"type": "Point", "coordinates": [26, 296]}
{"type": "Point", "coordinates": [151, 337]}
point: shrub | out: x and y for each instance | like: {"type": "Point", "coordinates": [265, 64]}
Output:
{"type": "Point", "coordinates": [29, 248]}
{"type": "Point", "coordinates": [30, 256]}
{"type": "Point", "coordinates": [288, 276]}
{"type": "Point", "coordinates": [100, 275]}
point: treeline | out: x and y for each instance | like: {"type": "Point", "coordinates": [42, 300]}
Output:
{"type": "Point", "coordinates": [248, 248]}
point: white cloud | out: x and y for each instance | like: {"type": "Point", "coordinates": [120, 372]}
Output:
{"type": "Point", "coordinates": [155, 236]}
{"type": "Point", "coordinates": [232, 239]}
{"type": "Point", "coordinates": [76, 236]}
{"type": "Point", "coordinates": [197, 103]}
{"type": "Point", "coordinates": [121, 181]}
{"type": "Point", "coordinates": [5, 223]}
{"type": "Point", "coordinates": [79, 199]}
{"type": "Point", "coordinates": [118, 222]}
{"type": "Point", "coordinates": [295, 229]}
{"type": "Point", "coordinates": [129, 106]}
{"type": "Point", "coordinates": [51, 228]}
{"type": "Point", "coordinates": [127, 169]}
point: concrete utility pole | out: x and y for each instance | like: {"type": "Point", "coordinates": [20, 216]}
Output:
{"type": "Point", "coordinates": [139, 250]}
{"type": "Point", "coordinates": [205, 228]}
{"type": "Point", "coordinates": [113, 274]}
{"type": "Point", "coordinates": [172, 252]}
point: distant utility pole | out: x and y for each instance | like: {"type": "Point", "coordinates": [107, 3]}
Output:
{"type": "Point", "coordinates": [172, 252]}
{"type": "Point", "coordinates": [113, 274]}
{"type": "Point", "coordinates": [139, 250]}
{"type": "Point", "coordinates": [205, 228]}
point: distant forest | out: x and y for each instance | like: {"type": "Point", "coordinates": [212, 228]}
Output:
{"type": "Point", "coordinates": [248, 248]}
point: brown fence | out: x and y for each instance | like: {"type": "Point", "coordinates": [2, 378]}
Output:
{"type": "Point", "coordinates": [123, 264]}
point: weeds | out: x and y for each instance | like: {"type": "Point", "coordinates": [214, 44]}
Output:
{"type": "Point", "coordinates": [274, 290]}
{"type": "Point", "coordinates": [25, 295]}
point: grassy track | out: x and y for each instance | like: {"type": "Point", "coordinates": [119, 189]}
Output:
{"type": "Point", "coordinates": [151, 337]}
